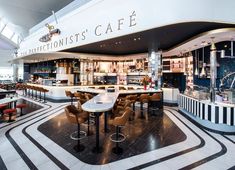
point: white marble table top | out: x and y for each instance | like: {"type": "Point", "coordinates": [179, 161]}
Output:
{"type": "Point", "coordinates": [101, 103]}
{"type": "Point", "coordinates": [3, 90]}
{"type": "Point", "coordinates": [8, 100]}
{"type": "Point", "coordinates": [98, 91]}
{"type": "Point", "coordinates": [89, 90]}
{"type": "Point", "coordinates": [105, 101]}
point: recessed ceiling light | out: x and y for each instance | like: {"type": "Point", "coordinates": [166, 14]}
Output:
{"type": "Point", "coordinates": [204, 43]}
{"type": "Point", "coordinates": [134, 39]}
{"type": "Point", "coordinates": [139, 38]}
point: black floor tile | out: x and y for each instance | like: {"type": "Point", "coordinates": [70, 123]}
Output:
{"type": "Point", "coordinates": [143, 135]}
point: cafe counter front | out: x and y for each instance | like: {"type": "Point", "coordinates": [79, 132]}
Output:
{"type": "Point", "coordinates": [218, 116]}
{"type": "Point", "coordinates": [57, 93]}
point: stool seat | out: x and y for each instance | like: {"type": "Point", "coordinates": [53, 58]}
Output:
{"type": "Point", "coordinates": [3, 105]}
{"type": "Point", "coordinates": [21, 105]}
{"type": "Point", "coordinates": [118, 137]}
{"type": "Point", "coordinates": [9, 111]}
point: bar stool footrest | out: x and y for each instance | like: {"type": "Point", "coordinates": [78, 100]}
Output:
{"type": "Point", "coordinates": [121, 137]}
{"type": "Point", "coordinates": [92, 122]}
{"type": "Point", "coordinates": [74, 135]}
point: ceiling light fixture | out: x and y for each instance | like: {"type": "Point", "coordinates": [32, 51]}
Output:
{"type": "Point", "coordinates": [196, 70]}
{"type": "Point", "coordinates": [203, 72]}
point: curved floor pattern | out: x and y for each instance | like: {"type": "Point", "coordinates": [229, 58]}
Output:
{"type": "Point", "coordinates": [22, 146]}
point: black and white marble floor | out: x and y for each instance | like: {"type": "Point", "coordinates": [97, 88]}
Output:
{"type": "Point", "coordinates": [23, 146]}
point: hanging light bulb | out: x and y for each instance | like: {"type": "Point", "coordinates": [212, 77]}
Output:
{"type": "Point", "coordinates": [203, 72]}
{"type": "Point", "coordinates": [196, 70]}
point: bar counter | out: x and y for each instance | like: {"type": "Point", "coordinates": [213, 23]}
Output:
{"type": "Point", "coordinates": [216, 116]}
{"type": "Point", "coordinates": [58, 92]}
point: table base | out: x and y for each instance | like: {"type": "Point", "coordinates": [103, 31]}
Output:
{"type": "Point", "coordinates": [97, 150]}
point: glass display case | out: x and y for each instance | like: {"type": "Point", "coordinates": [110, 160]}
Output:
{"type": "Point", "coordinates": [198, 92]}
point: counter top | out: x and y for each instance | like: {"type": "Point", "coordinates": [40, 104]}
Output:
{"type": "Point", "coordinates": [8, 100]}
{"type": "Point", "coordinates": [101, 102]}
{"type": "Point", "coordinates": [223, 104]}
{"type": "Point", "coordinates": [98, 91]}
{"type": "Point", "coordinates": [58, 92]}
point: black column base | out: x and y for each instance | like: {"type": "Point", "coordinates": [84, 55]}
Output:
{"type": "Point", "coordinates": [117, 150]}
{"type": "Point", "coordinates": [106, 130]}
{"type": "Point", "coordinates": [142, 116]}
{"type": "Point", "coordinates": [97, 150]}
{"type": "Point", "coordinates": [79, 148]}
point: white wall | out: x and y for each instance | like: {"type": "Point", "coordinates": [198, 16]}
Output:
{"type": "Point", "coordinates": [6, 69]}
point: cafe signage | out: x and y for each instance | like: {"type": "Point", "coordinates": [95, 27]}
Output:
{"type": "Point", "coordinates": [73, 40]}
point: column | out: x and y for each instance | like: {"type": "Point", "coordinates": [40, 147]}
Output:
{"type": "Point", "coordinates": [15, 72]}
{"type": "Point", "coordinates": [155, 67]}
{"type": "Point", "coordinates": [213, 72]}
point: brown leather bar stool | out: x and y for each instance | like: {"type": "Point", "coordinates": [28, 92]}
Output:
{"type": "Point", "coordinates": [44, 94]}
{"type": "Point", "coordinates": [89, 122]}
{"type": "Point", "coordinates": [144, 98]}
{"type": "Point", "coordinates": [76, 117]}
{"type": "Point", "coordinates": [88, 96]}
{"type": "Point", "coordinates": [80, 96]}
{"type": "Point", "coordinates": [130, 88]}
{"type": "Point", "coordinates": [24, 88]}
{"type": "Point", "coordinates": [133, 99]}
{"type": "Point", "coordinates": [118, 137]}
{"type": "Point", "coordinates": [40, 89]}
{"type": "Point", "coordinates": [32, 89]}
{"type": "Point", "coordinates": [155, 103]}
{"type": "Point", "coordinates": [122, 88]}
{"type": "Point", "coordinates": [2, 107]}
{"type": "Point", "coordinates": [21, 107]}
{"type": "Point", "coordinates": [28, 90]}
{"type": "Point", "coordinates": [69, 94]}
{"type": "Point", "coordinates": [119, 109]}
{"type": "Point", "coordinates": [36, 92]}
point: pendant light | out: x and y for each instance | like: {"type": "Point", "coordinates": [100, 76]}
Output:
{"type": "Point", "coordinates": [196, 70]}
{"type": "Point", "coordinates": [203, 72]}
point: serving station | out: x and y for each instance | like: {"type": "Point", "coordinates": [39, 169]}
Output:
{"type": "Point", "coordinates": [217, 116]}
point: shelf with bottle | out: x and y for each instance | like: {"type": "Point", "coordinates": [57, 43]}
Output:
{"type": "Point", "coordinates": [45, 70]}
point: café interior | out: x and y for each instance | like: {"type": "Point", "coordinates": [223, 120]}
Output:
{"type": "Point", "coordinates": [126, 90]}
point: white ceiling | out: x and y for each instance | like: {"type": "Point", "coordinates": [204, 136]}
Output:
{"type": "Point", "coordinates": [202, 40]}
{"type": "Point", "coordinates": [4, 45]}
{"type": "Point", "coordinates": [24, 14]}
{"type": "Point", "coordinates": [21, 15]}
